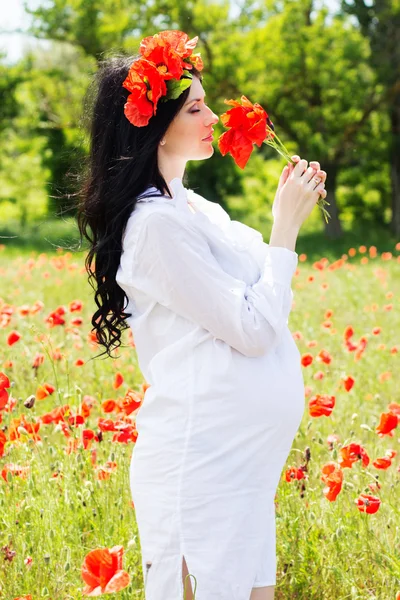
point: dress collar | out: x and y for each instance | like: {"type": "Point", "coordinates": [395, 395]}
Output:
{"type": "Point", "coordinates": [179, 195]}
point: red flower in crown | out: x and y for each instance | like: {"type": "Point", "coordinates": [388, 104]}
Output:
{"type": "Point", "coordinates": [166, 57]}
{"type": "Point", "coordinates": [146, 85]}
{"type": "Point", "coordinates": [168, 51]}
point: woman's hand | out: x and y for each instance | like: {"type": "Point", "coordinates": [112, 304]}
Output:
{"type": "Point", "coordinates": [304, 177]}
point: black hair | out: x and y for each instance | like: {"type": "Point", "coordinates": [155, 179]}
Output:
{"type": "Point", "coordinates": [121, 165]}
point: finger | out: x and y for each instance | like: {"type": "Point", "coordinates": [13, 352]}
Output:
{"type": "Point", "coordinates": [309, 174]}
{"type": "Point", "coordinates": [315, 164]}
{"type": "Point", "coordinates": [300, 168]}
{"type": "Point", "coordinates": [320, 189]}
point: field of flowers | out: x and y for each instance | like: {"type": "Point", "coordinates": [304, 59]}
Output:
{"type": "Point", "coordinates": [67, 432]}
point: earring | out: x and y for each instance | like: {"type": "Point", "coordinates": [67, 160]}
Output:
{"type": "Point", "coordinates": [162, 142]}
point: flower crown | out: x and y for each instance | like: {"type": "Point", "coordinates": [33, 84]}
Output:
{"type": "Point", "coordinates": [166, 57]}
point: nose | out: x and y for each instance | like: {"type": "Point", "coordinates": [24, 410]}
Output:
{"type": "Point", "coordinates": [213, 118]}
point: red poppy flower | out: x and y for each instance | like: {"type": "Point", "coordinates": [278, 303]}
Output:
{"type": "Point", "coordinates": [166, 50]}
{"type": "Point", "coordinates": [367, 503]}
{"type": "Point", "coordinates": [348, 383]}
{"type": "Point", "coordinates": [332, 475]}
{"type": "Point", "coordinates": [4, 381]}
{"type": "Point", "coordinates": [388, 422]}
{"type": "Point", "coordinates": [382, 463]}
{"type": "Point", "coordinates": [106, 424]}
{"type": "Point", "coordinates": [352, 453]}
{"type": "Point", "coordinates": [13, 337]}
{"type": "Point", "coordinates": [131, 402]}
{"type": "Point", "coordinates": [307, 359]}
{"type": "Point", "coordinates": [118, 380]}
{"type": "Point", "coordinates": [294, 473]}
{"type": "Point", "coordinates": [3, 441]}
{"type": "Point", "coordinates": [321, 405]}
{"type": "Point", "coordinates": [146, 85]}
{"type": "Point", "coordinates": [248, 125]}
{"type": "Point", "coordinates": [102, 571]}
{"type": "Point", "coordinates": [324, 357]}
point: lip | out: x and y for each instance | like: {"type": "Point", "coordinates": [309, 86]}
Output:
{"type": "Point", "coordinates": [209, 138]}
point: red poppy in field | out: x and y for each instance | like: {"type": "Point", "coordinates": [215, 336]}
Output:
{"type": "Point", "coordinates": [28, 597]}
{"type": "Point", "coordinates": [391, 453]}
{"type": "Point", "coordinates": [118, 380]}
{"type": "Point", "coordinates": [348, 383]}
{"type": "Point", "coordinates": [44, 390]}
{"type": "Point", "coordinates": [362, 344]}
{"type": "Point", "coordinates": [106, 424]}
{"type": "Point", "coordinates": [324, 357]}
{"type": "Point", "coordinates": [17, 423]}
{"type": "Point", "coordinates": [388, 422]}
{"type": "Point", "coordinates": [306, 360]}
{"type": "Point", "coordinates": [3, 398]}
{"type": "Point", "coordinates": [102, 571]}
{"type": "Point", "coordinates": [109, 405]}
{"type": "Point", "coordinates": [76, 420]}
{"type": "Point", "coordinates": [15, 470]}
{"type": "Point", "coordinates": [104, 471]}
{"type": "Point", "coordinates": [56, 317]}
{"type": "Point", "coordinates": [3, 441]}
{"type": "Point", "coordinates": [382, 463]}
{"type": "Point", "coordinates": [249, 124]}
{"type": "Point", "coordinates": [56, 415]}
{"type": "Point", "coordinates": [126, 434]}
{"type": "Point", "coordinates": [75, 305]}
{"type": "Point", "coordinates": [13, 337]}
{"type": "Point", "coordinates": [320, 405]}
{"type": "Point", "coordinates": [4, 384]}
{"type": "Point", "coordinates": [4, 381]}
{"type": "Point", "coordinates": [146, 85]}
{"type": "Point", "coordinates": [294, 473]}
{"type": "Point", "coordinates": [367, 503]}
{"type": "Point", "coordinates": [352, 453]}
{"type": "Point", "coordinates": [88, 435]}
{"type": "Point", "coordinates": [131, 402]}
{"type": "Point", "coordinates": [37, 360]}
{"type": "Point", "coordinates": [332, 476]}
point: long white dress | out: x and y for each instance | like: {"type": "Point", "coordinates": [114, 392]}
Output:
{"type": "Point", "coordinates": [210, 303]}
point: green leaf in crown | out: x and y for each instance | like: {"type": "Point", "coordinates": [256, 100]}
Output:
{"type": "Point", "coordinates": [175, 87]}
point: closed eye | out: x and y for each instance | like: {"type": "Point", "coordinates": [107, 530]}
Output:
{"type": "Point", "coordinates": [194, 111]}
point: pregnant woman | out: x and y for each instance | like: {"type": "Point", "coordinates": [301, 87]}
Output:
{"type": "Point", "coordinates": [208, 302]}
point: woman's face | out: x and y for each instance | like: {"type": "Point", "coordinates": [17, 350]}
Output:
{"type": "Point", "coordinates": [184, 139]}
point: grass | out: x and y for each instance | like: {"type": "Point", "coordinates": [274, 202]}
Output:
{"type": "Point", "coordinates": [66, 507]}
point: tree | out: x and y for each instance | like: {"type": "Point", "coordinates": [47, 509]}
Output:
{"type": "Point", "coordinates": [380, 24]}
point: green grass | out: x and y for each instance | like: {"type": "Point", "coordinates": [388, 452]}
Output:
{"type": "Point", "coordinates": [325, 549]}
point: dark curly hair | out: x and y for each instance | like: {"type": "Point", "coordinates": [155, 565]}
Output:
{"type": "Point", "coordinates": [121, 165]}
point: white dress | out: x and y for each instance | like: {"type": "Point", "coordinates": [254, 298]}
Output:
{"type": "Point", "coordinates": [210, 303]}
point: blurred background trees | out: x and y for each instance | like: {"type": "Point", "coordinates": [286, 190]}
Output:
{"type": "Point", "coordinates": [329, 79]}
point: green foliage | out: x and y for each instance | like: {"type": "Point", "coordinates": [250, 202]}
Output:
{"type": "Point", "coordinates": [317, 77]}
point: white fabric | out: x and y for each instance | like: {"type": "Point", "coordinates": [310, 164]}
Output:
{"type": "Point", "coordinates": [210, 302]}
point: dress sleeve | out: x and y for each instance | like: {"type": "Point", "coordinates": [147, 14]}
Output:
{"type": "Point", "coordinates": [174, 265]}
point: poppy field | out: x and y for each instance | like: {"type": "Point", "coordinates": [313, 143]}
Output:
{"type": "Point", "coordinates": [67, 433]}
